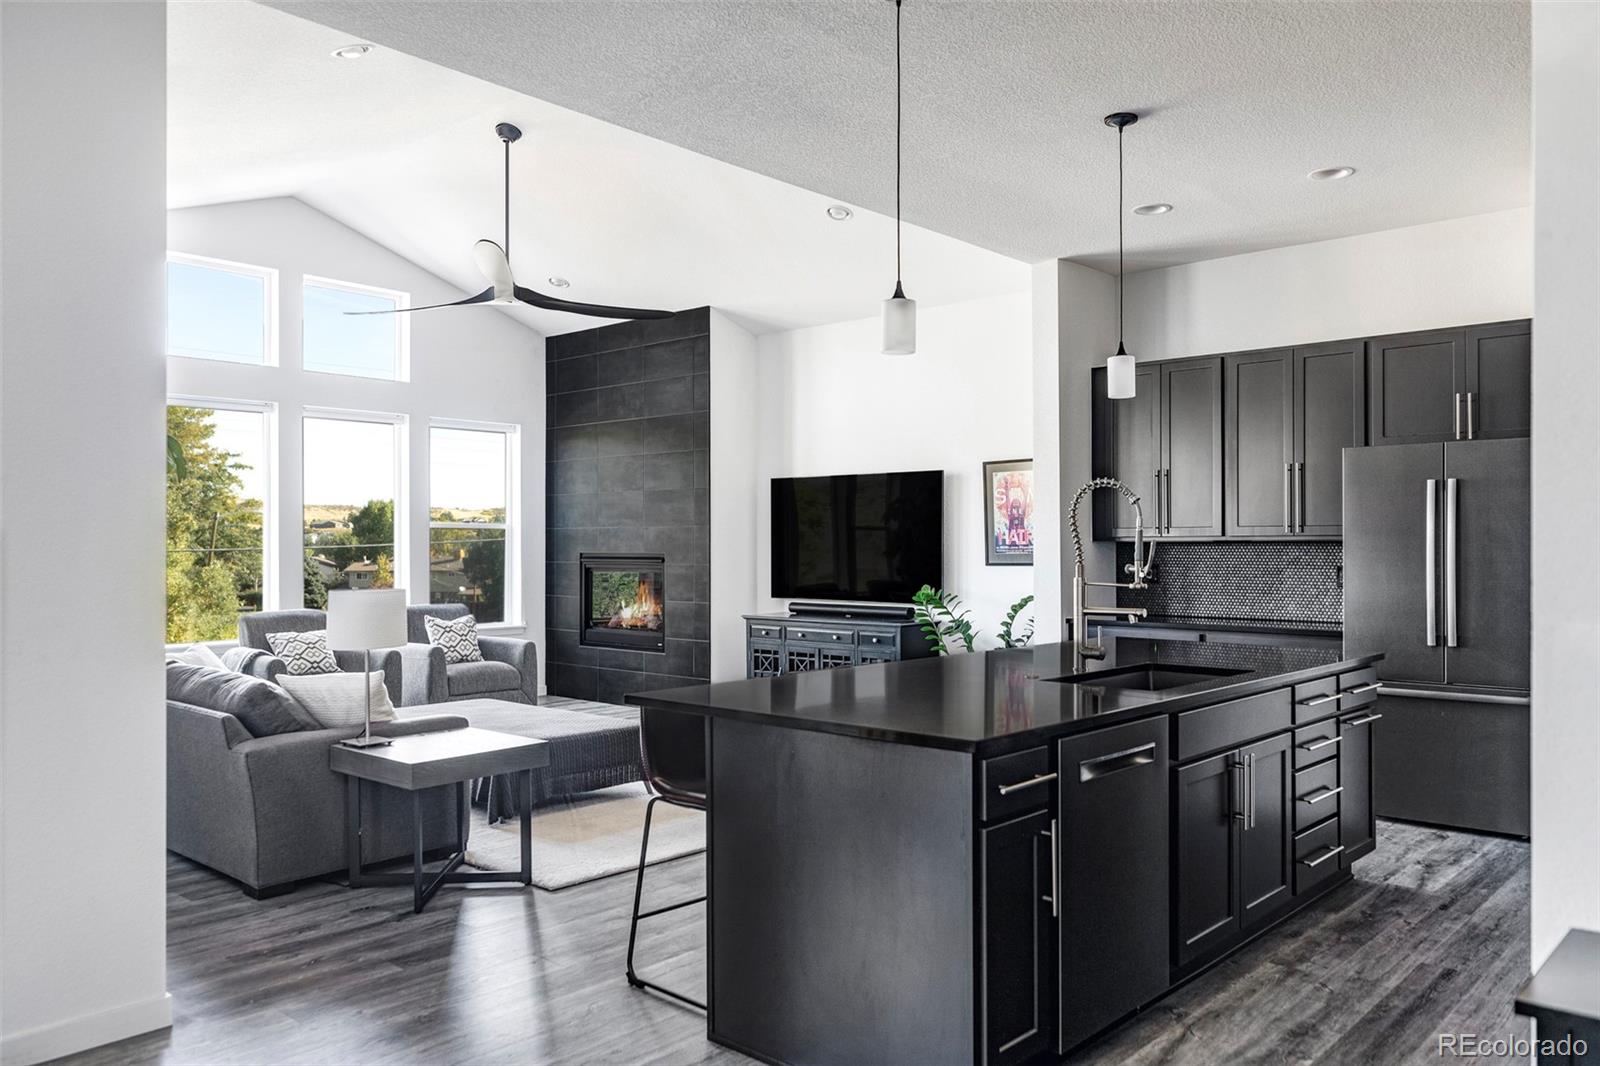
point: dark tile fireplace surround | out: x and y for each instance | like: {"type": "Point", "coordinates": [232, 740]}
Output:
{"type": "Point", "coordinates": [627, 482]}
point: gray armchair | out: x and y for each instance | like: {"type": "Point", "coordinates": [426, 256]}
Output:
{"type": "Point", "coordinates": [253, 630]}
{"type": "Point", "coordinates": [509, 671]}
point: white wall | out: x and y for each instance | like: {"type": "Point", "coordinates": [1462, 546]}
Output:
{"type": "Point", "coordinates": [734, 430]}
{"type": "Point", "coordinates": [1566, 445]}
{"type": "Point", "coordinates": [477, 364]}
{"type": "Point", "coordinates": [82, 932]}
{"type": "Point", "coordinates": [1045, 310]}
{"type": "Point", "coordinates": [829, 402]}
{"type": "Point", "coordinates": [1477, 269]}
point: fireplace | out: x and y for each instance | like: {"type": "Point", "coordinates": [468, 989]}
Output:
{"type": "Point", "coordinates": [624, 602]}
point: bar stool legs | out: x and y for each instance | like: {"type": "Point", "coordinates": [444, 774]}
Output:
{"type": "Point", "coordinates": [633, 929]}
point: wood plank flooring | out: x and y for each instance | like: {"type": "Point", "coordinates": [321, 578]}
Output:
{"type": "Point", "coordinates": [1431, 936]}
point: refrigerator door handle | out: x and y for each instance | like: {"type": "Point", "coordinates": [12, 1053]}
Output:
{"type": "Point", "coordinates": [1430, 592]}
{"type": "Point", "coordinates": [1451, 558]}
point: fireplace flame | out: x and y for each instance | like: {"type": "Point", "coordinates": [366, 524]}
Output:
{"type": "Point", "coordinates": [643, 613]}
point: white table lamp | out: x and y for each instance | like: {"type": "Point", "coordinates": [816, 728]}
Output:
{"type": "Point", "coordinates": [361, 620]}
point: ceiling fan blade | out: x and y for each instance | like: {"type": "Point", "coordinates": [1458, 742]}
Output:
{"type": "Point", "coordinates": [481, 298]}
{"type": "Point", "coordinates": [495, 268]}
{"type": "Point", "coordinates": [552, 303]}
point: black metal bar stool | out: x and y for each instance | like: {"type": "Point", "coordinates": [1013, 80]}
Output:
{"type": "Point", "coordinates": [672, 746]}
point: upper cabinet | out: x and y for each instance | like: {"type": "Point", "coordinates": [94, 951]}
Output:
{"type": "Point", "coordinates": [1452, 384]}
{"type": "Point", "coordinates": [1165, 444]}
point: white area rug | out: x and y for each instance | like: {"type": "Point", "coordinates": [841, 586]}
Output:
{"type": "Point", "coordinates": [587, 837]}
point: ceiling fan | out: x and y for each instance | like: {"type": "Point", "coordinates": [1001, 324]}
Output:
{"type": "Point", "coordinates": [494, 262]}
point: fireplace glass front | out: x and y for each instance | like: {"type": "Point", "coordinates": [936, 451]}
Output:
{"type": "Point", "coordinates": [624, 601]}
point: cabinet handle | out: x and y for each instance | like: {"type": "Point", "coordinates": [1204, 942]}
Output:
{"type": "Point", "coordinates": [1250, 791]}
{"type": "Point", "coordinates": [1055, 907]}
{"type": "Point", "coordinates": [1037, 779]}
{"type": "Point", "coordinates": [1158, 498]}
{"type": "Point", "coordinates": [1320, 744]}
{"type": "Point", "coordinates": [1333, 849]}
{"type": "Point", "coordinates": [835, 636]}
{"type": "Point", "coordinates": [1471, 432]}
{"type": "Point", "coordinates": [1322, 794]}
{"type": "Point", "coordinates": [1299, 498]}
{"type": "Point", "coordinates": [875, 640]}
{"type": "Point", "coordinates": [1458, 416]}
{"type": "Point", "coordinates": [1237, 790]}
{"type": "Point", "coordinates": [1287, 520]}
{"type": "Point", "coordinates": [1363, 720]}
{"type": "Point", "coordinates": [1317, 701]}
{"type": "Point", "coordinates": [1370, 686]}
{"type": "Point", "coordinates": [1166, 509]}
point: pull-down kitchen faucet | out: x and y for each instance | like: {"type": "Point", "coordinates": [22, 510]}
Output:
{"type": "Point", "coordinates": [1082, 646]}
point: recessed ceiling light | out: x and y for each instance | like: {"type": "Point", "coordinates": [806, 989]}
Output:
{"type": "Point", "coordinates": [558, 283]}
{"type": "Point", "coordinates": [352, 51]}
{"type": "Point", "coordinates": [1331, 173]}
{"type": "Point", "coordinates": [1152, 209]}
{"type": "Point", "coordinates": [839, 212]}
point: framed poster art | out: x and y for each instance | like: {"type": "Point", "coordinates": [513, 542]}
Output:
{"type": "Point", "coordinates": [1008, 512]}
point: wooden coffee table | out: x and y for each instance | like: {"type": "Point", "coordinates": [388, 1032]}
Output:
{"type": "Point", "coordinates": [416, 763]}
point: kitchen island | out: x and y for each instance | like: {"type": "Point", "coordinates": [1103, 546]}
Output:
{"type": "Point", "coordinates": [995, 857]}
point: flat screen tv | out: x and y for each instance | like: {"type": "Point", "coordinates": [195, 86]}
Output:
{"type": "Point", "coordinates": [872, 537]}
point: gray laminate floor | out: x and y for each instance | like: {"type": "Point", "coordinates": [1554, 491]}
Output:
{"type": "Point", "coordinates": [1432, 936]}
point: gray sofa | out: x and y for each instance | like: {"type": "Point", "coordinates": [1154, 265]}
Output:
{"type": "Point", "coordinates": [268, 812]}
{"type": "Point", "coordinates": [253, 630]}
{"type": "Point", "coordinates": [509, 671]}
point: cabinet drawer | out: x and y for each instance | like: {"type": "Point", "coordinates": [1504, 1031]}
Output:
{"type": "Point", "coordinates": [882, 640]}
{"type": "Point", "coordinates": [1316, 855]}
{"type": "Point", "coordinates": [1316, 699]}
{"type": "Point", "coordinates": [1314, 743]}
{"type": "Point", "coordinates": [819, 634]}
{"type": "Point", "coordinates": [1230, 724]}
{"type": "Point", "coordinates": [1316, 794]}
{"type": "Point", "coordinates": [1017, 782]}
{"type": "Point", "coordinates": [764, 630]}
{"type": "Point", "coordinates": [1358, 689]}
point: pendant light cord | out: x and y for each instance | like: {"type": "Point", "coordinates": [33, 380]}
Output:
{"type": "Point", "coordinates": [507, 187]}
{"type": "Point", "coordinates": [1119, 239]}
{"type": "Point", "coordinates": [899, 291]}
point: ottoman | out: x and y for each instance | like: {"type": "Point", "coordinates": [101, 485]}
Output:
{"type": "Point", "coordinates": [587, 751]}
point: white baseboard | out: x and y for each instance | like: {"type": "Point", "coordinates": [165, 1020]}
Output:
{"type": "Point", "coordinates": [86, 1031]}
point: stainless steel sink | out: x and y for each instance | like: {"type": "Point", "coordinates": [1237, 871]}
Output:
{"type": "Point", "coordinates": [1146, 677]}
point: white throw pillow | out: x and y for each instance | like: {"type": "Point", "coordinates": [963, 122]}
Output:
{"type": "Point", "coordinates": [199, 655]}
{"type": "Point", "coordinates": [337, 701]}
{"type": "Point", "coordinates": [304, 653]}
{"type": "Point", "coordinates": [457, 636]}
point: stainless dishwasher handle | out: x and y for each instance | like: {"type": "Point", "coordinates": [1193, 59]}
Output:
{"type": "Point", "coordinates": [1105, 765]}
{"type": "Point", "coordinates": [1363, 720]}
{"type": "Point", "coordinates": [1324, 857]}
{"type": "Point", "coordinates": [1430, 591]}
{"type": "Point", "coordinates": [1316, 701]}
{"type": "Point", "coordinates": [1324, 793]}
{"type": "Point", "coordinates": [1370, 686]}
{"type": "Point", "coordinates": [1037, 779]}
{"type": "Point", "coordinates": [1320, 744]}
{"type": "Point", "coordinates": [1451, 560]}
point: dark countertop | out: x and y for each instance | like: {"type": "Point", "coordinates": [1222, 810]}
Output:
{"type": "Point", "coordinates": [1000, 699]}
{"type": "Point", "coordinates": [1330, 630]}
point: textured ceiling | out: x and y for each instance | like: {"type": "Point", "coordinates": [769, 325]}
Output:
{"type": "Point", "coordinates": [1005, 148]}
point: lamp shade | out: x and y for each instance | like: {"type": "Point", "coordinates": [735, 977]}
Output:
{"type": "Point", "coordinates": [364, 619]}
{"type": "Point", "coordinates": [899, 326]}
{"type": "Point", "coordinates": [1119, 377]}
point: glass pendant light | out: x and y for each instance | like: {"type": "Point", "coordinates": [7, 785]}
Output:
{"type": "Point", "coordinates": [899, 312]}
{"type": "Point", "coordinates": [1119, 368]}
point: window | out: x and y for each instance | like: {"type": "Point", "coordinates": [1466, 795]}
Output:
{"type": "Point", "coordinates": [217, 488]}
{"type": "Point", "coordinates": [221, 310]}
{"type": "Point", "coordinates": [361, 345]}
{"type": "Point", "coordinates": [470, 489]}
{"type": "Point", "coordinates": [350, 485]}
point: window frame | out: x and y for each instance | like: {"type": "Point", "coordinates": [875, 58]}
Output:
{"type": "Point", "coordinates": [402, 355]}
{"type": "Point", "coordinates": [270, 347]}
{"type": "Point", "coordinates": [270, 496]}
{"type": "Point", "coordinates": [511, 613]}
{"type": "Point", "coordinates": [402, 479]}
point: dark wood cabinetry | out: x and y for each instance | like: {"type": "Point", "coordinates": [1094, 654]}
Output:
{"type": "Point", "coordinates": [1265, 887]}
{"type": "Point", "coordinates": [1328, 418]}
{"type": "Point", "coordinates": [1452, 384]}
{"type": "Point", "coordinates": [1498, 376]}
{"type": "Point", "coordinates": [1166, 445]}
{"type": "Point", "coordinates": [1018, 961]}
{"type": "Point", "coordinates": [1209, 808]}
{"type": "Point", "coordinates": [1358, 830]}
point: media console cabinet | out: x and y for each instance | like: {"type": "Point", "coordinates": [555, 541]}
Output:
{"type": "Point", "coordinates": [789, 643]}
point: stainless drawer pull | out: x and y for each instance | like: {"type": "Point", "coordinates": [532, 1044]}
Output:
{"type": "Point", "coordinates": [1037, 779]}
{"type": "Point", "coordinates": [1317, 700]}
{"type": "Point", "coordinates": [1363, 720]}
{"type": "Point", "coordinates": [1333, 849]}
{"type": "Point", "coordinates": [1318, 745]}
{"type": "Point", "coordinates": [874, 640]}
{"type": "Point", "coordinates": [801, 635]}
{"type": "Point", "coordinates": [1322, 794]}
{"type": "Point", "coordinates": [1143, 755]}
{"type": "Point", "coordinates": [1370, 686]}
{"type": "Point", "coordinates": [835, 636]}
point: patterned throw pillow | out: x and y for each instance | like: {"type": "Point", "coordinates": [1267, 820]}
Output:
{"type": "Point", "coordinates": [457, 636]}
{"type": "Point", "coordinates": [304, 653]}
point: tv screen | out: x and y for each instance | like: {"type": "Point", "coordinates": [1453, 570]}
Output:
{"type": "Point", "coordinates": [872, 537]}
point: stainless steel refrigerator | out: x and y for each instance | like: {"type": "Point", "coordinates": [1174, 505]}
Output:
{"type": "Point", "coordinates": [1436, 571]}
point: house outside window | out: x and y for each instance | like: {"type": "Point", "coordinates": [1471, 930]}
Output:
{"type": "Point", "coordinates": [352, 493]}
{"type": "Point", "coordinates": [471, 538]}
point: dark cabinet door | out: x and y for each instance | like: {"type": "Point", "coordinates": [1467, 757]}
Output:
{"type": "Point", "coordinates": [1209, 812]}
{"type": "Point", "coordinates": [1265, 837]}
{"type": "Point", "coordinates": [1498, 380]}
{"type": "Point", "coordinates": [1328, 418]}
{"type": "Point", "coordinates": [1191, 447]}
{"type": "Point", "coordinates": [1258, 442]}
{"type": "Point", "coordinates": [1358, 832]}
{"type": "Point", "coordinates": [1018, 1011]}
{"type": "Point", "coordinates": [1487, 569]}
{"type": "Point", "coordinates": [1136, 451]}
{"type": "Point", "coordinates": [1114, 846]}
{"type": "Point", "coordinates": [1415, 387]}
